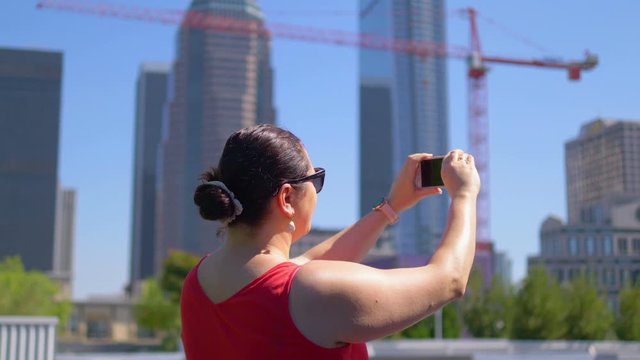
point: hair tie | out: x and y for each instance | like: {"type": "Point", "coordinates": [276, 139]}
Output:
{"type": "Point", "coordinates": [236, 203]}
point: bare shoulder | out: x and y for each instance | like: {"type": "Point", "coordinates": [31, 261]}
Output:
{"type": "Point", "coordinates": [320, 273]}
{"type": "Point", "coordinates": [323, 297]}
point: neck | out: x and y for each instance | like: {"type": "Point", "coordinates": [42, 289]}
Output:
{"type": "Point", "coordinates": [248, 242]}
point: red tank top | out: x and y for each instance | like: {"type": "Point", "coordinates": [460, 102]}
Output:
{"type": "Point", "coordinates": [254, 323]}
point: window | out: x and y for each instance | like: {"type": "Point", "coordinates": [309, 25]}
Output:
{"type": "Point", "coordinates": [636, 246]}
{"type": "Point", "coordinates": [557, 248]}
{"type": "Point", "coordinates": [624, 277]}
{"type": "Point", "coordinates": [606, 245]}
{"type": "Point", "coordinates": [573, 273]}
{"type": "Point", "coordinates": [573, 246]}
{"type": "Point", "coordinates": [609, 278]}
{"type": "Point", "coordinates": [98, 329]}
{"type": "Point", "coordinates": [622, 246]}
{"type": "Point", "coordinates": [590, 245]}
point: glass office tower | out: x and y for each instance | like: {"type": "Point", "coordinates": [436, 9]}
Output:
{"type": "Point", "coordinates": [221, 82]}
{"type": "Point", "coordinates": [403, 110]}
{"type": "Point", "coordinates": [151, 97]}
{"type": "Point", "coordinates": [30, 85]}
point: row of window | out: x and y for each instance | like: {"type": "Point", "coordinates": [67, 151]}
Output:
{"type": "Point", "coordinates": [603, 277]}
{"type": "Point", "coordinates": [591, 246]}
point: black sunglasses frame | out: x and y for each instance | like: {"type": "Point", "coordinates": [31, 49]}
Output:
{"type": "Point", "coordinates": [317, 179]}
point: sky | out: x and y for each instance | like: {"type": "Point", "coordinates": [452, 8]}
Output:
{"type": "Point", "coordinates": [532, 111]}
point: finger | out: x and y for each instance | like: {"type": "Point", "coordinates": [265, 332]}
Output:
{"type": "Point", "coordinates": [413, 161]}
{"type": "Point", "coordinates": [468, 158]}
{"type": "Point", "coordinates": [454, 154]}
{"type": "Point", "coordinates": [430, 191]}
{"type": "Point", "coordinates": [420, 156]}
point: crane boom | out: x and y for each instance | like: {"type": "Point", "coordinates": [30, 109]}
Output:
{"type": "Point", "coordinates": [210, 21]}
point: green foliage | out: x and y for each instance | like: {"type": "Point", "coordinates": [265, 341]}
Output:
{"type": "Point", "coordinates": [12, 264]}
{"type": "Point", "coordinates": [29, 292]}
{"type": "Point", "coordinates": [588, 317]}
{"type": "Point", "coordinates": [628, 323]}
{"type": "Point", "coordinates": [540, 308]}
{"type": "Point", "coordinates": [176, 267]}
{"type": "Point", "coordinates": [451, 321]}
{"type": "Point", "coordinates": [158, 307]}
{"type": "Point", "coordinates": [488, 313]}
{"type": "Point", "coordinates": [153, 310]}
{"type": "Point", "coordinates": [425, 328]}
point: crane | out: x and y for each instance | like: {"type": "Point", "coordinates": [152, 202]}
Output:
{"type": "Point", "coordinates": [477, 110]}
{"type": "Point", "coordinates": [476, 76]}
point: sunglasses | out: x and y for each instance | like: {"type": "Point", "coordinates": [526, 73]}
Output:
{"type": "Point", "coordinates": [317, 179]}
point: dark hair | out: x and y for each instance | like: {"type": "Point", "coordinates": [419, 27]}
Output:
{"type": "Point", "coordinates": [254, 164]}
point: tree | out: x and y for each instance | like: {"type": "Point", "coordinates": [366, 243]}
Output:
{"type": "Point", "coordinates": [158, 307]}
{"type": "Point", "coordinates": [588, 317]}
{"type": "Point", "coordinates": [154, 310]}
{"type": "Point", "coordinates": [628, 323]}
{"type": "Point", "coordinates": [473, 306]}
{"type": "Point", "coordinates": [540, 308]}
{"type": "Point", "coordinates": [451, 321]}
{"type": "Point", "coordinates": [176, 267]}
{"type": "Point", "coordinates": [29, 293]}
{"type": "Point", "coordinates": [488, 312]}
{"type": "Point", "coordinates": [500, 306]}
{"type": "Point", "coordinates": [425, 328]}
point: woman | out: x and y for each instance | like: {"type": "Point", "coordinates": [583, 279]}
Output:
{"type": "Point", "coordinates": [249, 300]}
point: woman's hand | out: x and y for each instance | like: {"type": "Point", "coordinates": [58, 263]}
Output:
{"type": "Point", "coordinates": [459, 174]}
{"type": "Point", "coordinates": [404, 192]}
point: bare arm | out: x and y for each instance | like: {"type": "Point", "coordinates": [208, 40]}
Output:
{"type": "Point", "coordinates": [354, 242]}
{"type": "Point", "coordinates": [336, 302]}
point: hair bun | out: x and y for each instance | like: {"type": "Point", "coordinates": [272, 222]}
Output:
{"type": "Point", "coordinates": [214, 203]}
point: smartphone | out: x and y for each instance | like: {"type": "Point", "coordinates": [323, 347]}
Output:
{"type": "Point", "coordinates": [429, 174]}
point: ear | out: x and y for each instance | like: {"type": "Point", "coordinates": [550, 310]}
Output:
{"type": "Point", "coordinates": [284, 200]}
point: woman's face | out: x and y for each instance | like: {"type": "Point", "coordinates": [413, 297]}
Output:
{"type": "Point", "coordinates": [306, 204]}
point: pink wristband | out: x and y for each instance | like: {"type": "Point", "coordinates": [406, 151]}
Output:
{"type": "Point", "coordinates": [388, 211]}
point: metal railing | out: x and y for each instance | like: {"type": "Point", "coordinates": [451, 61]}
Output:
{"type": "Point", "coordinates": [27, 338]}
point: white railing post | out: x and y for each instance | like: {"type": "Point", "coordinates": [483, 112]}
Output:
{"type": "Point", "coordinates": [3, 341]}
{"type": "Point", "coordinates": [12, 342]}
{"type": "Point", "coordinates": [21, 336]}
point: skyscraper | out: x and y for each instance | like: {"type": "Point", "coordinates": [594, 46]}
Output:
{"type": "Point", "coordinates": [151, 99]}
{"type": "Point", "coordinates": [64, 240]}
{"type": "Point", "coordinates": [30, 83]}
{"type": "Point", "coordinates": [603, 167]}
{"type": "Point", "coordinates": [221, 82]}
{"type": "Point", "coordinates": [403, 110]}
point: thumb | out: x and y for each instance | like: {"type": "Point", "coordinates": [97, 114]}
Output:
{"type": "Point", "coordinates": [424, 192]}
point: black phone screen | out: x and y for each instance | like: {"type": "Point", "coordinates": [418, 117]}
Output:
{"type": "Point", "coordinates": [430, 172]}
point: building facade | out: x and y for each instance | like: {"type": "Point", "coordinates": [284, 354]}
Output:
{"type": "Point", "coordinates": [609, 255]}
{"type": "Point", "coordinates": [503, 267]}
{"type": "Point", "coordinates": [106, 324]}
{"type": "Point", "coordinates": [601, 240]}
{"type": "Point", "coordinates": [403, 110]}
{"type": "Point", "coordinates": [30, 85]}
{"type": "Point", "coordinates": [151, 97]}
{"type": "Point", "coordinates": [221, 82]}
{"type": "Point", "coordinates": [64, 242]}
{"type": "Point", "coordinates": [603, 167]}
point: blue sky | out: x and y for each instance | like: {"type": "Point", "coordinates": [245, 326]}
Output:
{"type": "Point", "coordinates": [532, 112]}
